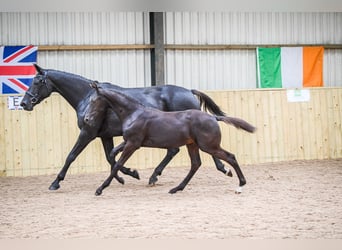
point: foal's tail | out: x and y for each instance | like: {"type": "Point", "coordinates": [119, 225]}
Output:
{"type": "Point", "coordinates": [207, 103]}
{"type": "Point", "coordinates": [237, 122]}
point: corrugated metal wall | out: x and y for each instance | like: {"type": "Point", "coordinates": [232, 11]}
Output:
{"type": "Point", "coordinates": [126, 67]}
{"type": "Point", "coordinates": [201, 69]}
{"type": "Point", "coordinates": [236, 69]}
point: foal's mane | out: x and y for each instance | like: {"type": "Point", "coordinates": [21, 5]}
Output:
{"type": "Point", "coordinates": [96, 84]}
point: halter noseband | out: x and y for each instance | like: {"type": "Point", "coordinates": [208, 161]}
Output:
{"type": "Point", "coordinates": [35, 97]}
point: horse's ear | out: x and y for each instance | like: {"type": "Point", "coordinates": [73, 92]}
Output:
{"type": "Point", "coordinates": [39, 69]}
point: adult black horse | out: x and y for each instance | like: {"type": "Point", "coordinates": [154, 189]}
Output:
{"type": "Point", "coordinates": [77, 92]}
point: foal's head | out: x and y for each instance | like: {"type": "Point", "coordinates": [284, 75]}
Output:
{"type": "Point", "coordinates": [97, 106]}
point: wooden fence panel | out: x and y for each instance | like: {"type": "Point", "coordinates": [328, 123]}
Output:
{"type": "Point", "coordinates": [38, 142]}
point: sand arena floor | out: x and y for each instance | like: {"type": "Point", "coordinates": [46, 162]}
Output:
{"type": "Point", "coordinates": [296, 200]}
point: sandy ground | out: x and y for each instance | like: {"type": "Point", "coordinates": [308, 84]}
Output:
{"type": "Point", "coordinates": [296, 200]}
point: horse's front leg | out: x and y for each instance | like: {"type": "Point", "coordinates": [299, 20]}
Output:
{"type": "Point", "coordinates": [171, 152]}
{"type": "Point", "coordinates": [108, 146]}
{"type": "Point", "coordinates": [127, 152]}
{"type": "Point", "coordinates": [83, 140]}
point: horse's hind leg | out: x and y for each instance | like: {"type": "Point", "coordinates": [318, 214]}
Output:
{"type": "Point", "coordinates": [193, 151]}
{"type": "Point", "coordinates": [171, 152]}
{"type": "Point", "coordinates": [220, 167]}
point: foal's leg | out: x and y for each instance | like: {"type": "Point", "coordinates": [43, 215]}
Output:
{"type": "Point", "coordinates": [114, 152]}
{"type": "Point", "coordinates": [220, 167]}
{"type": "Point", "coordinates": [108, 146]}
{"type": "Point", "coordinates": [171, 152]}
{"type": "Point", "coordinates": [193, 151]}
{"type": "Point", "coordinates": [230, 158]}
{"type": "Point", "coordinates": [127, 152]}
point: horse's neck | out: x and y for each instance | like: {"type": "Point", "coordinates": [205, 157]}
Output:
{"type": "Point", "coordinates": [73, 88]}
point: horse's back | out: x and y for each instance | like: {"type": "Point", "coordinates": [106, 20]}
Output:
{"type": "Point", "coordinates": [165, 97]}
{"type": "Point", "coordinates": [178, 98]}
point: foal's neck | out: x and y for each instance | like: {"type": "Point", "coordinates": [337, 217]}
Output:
{"type": "Point", "coordinates": [124, 106]}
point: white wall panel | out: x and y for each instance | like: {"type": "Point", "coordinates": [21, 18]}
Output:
{"type": "Point", "coordinates": [129, 68]}
{"type": "Point", "coordinates": [74, 28]}
{"type": "Point", "coordinates": [211, 69]}
{"type": "Point", "coordinates": [122, 67]}
{"type": "Point", "coordinates": [252, 28]}
{"type": "Point", "coordinates": [236, 69]}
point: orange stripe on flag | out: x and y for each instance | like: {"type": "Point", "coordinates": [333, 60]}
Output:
{"type": "Point", "coordinates": [313, 66]}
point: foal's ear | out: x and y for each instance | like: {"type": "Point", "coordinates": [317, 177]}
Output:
{"type": "Point", "coordinates": [39, 69]}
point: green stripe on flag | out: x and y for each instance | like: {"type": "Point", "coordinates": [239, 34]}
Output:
{"type": "Point", "coordinates": [269, 68]}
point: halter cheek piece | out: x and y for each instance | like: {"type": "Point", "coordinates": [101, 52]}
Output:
{"type": "Point", "coordinates": [35, 97]}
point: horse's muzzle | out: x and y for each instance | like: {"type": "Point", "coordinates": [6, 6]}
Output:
{"type": "Point", "coordinates": [27, 105]}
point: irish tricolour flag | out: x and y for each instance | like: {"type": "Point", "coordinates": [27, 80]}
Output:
{"type": "Point", "coordinates": [290, 67]}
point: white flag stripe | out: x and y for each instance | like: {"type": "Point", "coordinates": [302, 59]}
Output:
{"type": "Point", "coordinates": [292, 67]}
{"type": "Point", "coordinates": [2, 54]}
{"type": "Point", "coordinates": [17, 76]}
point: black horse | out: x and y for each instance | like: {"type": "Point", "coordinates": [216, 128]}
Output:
{"type": "Point", "coordinates": [78, 93]}
{"type": "Point", "coordinates": [148, 127]}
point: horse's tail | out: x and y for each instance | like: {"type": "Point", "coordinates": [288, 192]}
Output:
{"type": "Point", "coordinates": [237, 122]}
{"type": "Point", "coordinates": [207, 103]}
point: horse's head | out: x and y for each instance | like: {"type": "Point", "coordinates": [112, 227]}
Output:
{"type": "Point", "coordinates": [38, 91]}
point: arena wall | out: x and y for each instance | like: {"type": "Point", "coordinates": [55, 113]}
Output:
{"type": "Point", "coordinates": [37, 142]}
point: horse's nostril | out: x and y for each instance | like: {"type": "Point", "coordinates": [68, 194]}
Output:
{"type": "Point", "coordinates": [23, 104]}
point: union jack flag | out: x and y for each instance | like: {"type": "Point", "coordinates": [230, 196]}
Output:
{"type": "Point", "coordinates": [16, 68]}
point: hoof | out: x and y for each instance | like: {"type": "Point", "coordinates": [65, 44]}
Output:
{"type": "Point", "coordinates": [174, 190]}
{"type": "Point", "coordinates": [229, 173]}
{"type": "Point", "coordinates": [238, 190]}
{"type": "Point", "coordinates": [135, 174]}
{"type": "Point", "coordinates": [120, 180]}
{"type": "Point", "coordinates": [152, 181]}
{"type": "Point", "coordinates": [98, 192]}
{"type": "Point", "coordinates": [54, 186]}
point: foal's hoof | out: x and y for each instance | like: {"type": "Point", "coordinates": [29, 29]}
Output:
{"type": "Point", "coordinates": [238, 190]}
{"type": "Point", "coordinates": [229, 173]}
{"type": "Point", "coordinates": [54, 186]}
{"type": "Point", "coordinates": [153, 180]}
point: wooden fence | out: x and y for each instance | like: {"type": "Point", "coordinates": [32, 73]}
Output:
{"type": "Point", "coordinates": [37, 142]}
